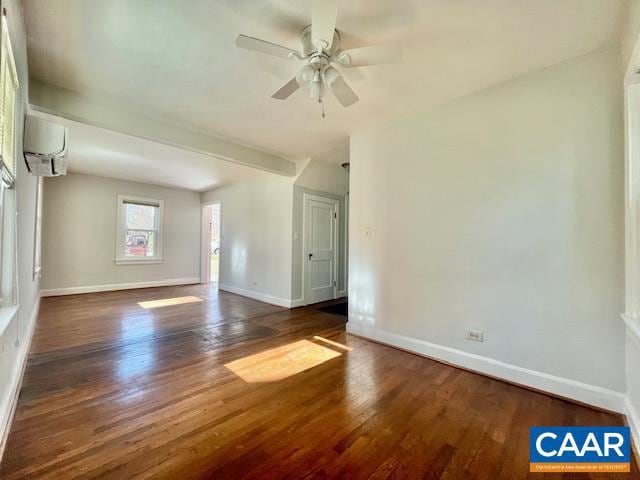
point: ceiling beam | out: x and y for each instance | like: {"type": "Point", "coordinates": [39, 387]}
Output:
{"type": "Point", "coordinates": [51, 99]}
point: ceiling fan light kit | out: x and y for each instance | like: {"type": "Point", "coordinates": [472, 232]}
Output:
{"type": "Point", "coordinates": [320, 48]}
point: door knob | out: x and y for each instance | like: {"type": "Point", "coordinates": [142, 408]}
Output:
{"type": "Point", "coordinates": [310, 255]}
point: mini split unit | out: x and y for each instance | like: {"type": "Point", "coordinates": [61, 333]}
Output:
{"type": "Point", "coordinates": [45, 145]}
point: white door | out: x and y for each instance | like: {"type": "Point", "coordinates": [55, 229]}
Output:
{"type": "Point", "coordinates": [321, 237]}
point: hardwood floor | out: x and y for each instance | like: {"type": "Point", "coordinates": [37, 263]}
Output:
{"type": "Point", "coordinates": [212, 385]}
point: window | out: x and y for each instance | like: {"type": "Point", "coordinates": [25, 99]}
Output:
{"type": "Point", "coordinates": [9, 86]}
{"type": "Point", "coordinates": [139, 230]}
{"type": "Point", "coordinates": [8, 106]}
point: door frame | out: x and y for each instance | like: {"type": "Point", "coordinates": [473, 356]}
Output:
{"type": "Point", "coordinates": [336, 237]}
{"type": "Point", "coordinates": [205, 241]}
{"type": "Point", "coordinates": [346, 246]}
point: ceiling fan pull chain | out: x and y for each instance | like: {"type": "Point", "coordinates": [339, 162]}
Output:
{"type": "Point", "coordinates": [322, 107]}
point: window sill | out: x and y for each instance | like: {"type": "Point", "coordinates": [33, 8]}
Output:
{"type": "Point", "coordinates": [138, 261]}
{"type": "Point", "coordinates": [7, 314]}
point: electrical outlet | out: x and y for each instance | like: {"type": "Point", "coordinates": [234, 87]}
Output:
{"type": "Point", "coordinates": [475, 335]}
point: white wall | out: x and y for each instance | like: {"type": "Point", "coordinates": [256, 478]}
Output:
{"type": "Point", "coordinates": [630, 42]}
{"type": "Point", "coordinates": [630, 31]}
{"type": "Point", "coordinates": [262, 231]}
{"type": "Point", "coordinates": [503, 212]}
{"type": "Point", "coordinates": [17, 336]}
{"type": "Point", "coordinates": [79, 234]}
{"type": "Point", "coordinates": [255, 258]}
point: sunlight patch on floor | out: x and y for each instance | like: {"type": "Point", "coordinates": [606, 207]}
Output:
{"type": "Point", "coordinates": [281, 362]}
{"type": "Point", "coordinates": [167, 302]}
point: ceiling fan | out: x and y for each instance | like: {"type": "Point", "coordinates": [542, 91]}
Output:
{"type": "Point", "coordinates": [320, 48]}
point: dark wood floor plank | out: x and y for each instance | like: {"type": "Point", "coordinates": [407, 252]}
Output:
{"type": "Point", "coordinates": [114, 390]}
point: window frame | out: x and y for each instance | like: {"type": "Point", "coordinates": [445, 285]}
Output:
{"type": "Point", "coordinates": [8, 200]}
{"type": "Point", "coordinates": [121, 258]}
{"type": "Point", "coordinates": [8, 175]}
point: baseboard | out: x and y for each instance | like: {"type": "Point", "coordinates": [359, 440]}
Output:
{"type": "Point", "coordinates": [263, 297]}
{"type": "Point", "coordinates": [298, 302]}
{"type": "Point", "coordinates": [54, 292]}
{"type": "Point", "coordinates": [9, 407]}
{"type": "Point", "coordinates": [633, 420]}
{"type": "Point", "coordinates": [632, 414]}
{"type": "Point", "coordinates": [563, 387]}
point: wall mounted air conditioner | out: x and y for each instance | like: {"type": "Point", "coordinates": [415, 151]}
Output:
{"type": "Point", "coordinates": [45, 145]}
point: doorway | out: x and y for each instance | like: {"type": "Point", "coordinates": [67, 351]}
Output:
{"type": "Point", "coordinates": [211, 243]}
{"type": "Point", "coordinates": [320, 247]}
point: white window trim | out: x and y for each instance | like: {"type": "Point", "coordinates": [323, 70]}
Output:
{"type": "Point", "coordinates": [121, 227]}
{"type": "Point", "coordinates": [37, 231]}
{"type": "Point", "coordinates": [8, 303]}
{"type": "Point", "coordinates": [9, 175]}
{"type": "Point", "coordinates": [7, 314]}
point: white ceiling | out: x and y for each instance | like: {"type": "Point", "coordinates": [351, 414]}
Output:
{"type": "Point", "coordinates": [177, 60]}
{"type": "Point", "coordinates": [338, 155]}
{"type": "Point", "coordinates": [96, 151]}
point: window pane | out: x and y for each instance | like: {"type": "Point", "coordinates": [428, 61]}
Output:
{"type": "Point", "coordinates": [139, 243]}
{"type": "Point", "coordinates": [141, 217]}
{"type": "Point", "coordinates": [8, 101]}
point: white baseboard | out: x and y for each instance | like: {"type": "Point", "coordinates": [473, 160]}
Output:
{"type": "Point", "coordinates": [263, 297]}
{"type": "Point", "coordinates": [54, 292]}
{"type": "Point", "coordinates": [633, 420]}
{"type": "Point", "coordinates": [564, 387]}
{"type": "Point", "coordinates": [9, 403]}
{"type": "Point", "coordinates": [341, 294]}
{"type": "Point", "coordinates": [298, 302]}
{"type": "Point", "coordinates": [632, 413]}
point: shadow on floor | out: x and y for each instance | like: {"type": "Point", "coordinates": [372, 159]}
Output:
{"type": "Point", "coordinates": [341, 308]}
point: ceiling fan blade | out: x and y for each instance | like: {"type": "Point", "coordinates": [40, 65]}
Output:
{"type": "Point", "coordinates": [340, 88]}
{"type": "Point", "coordinates": [287, 89]}
{"type": "Point", "coordinates": [268, 48]}
{"type": "Point", "coordinates": [324, 14]}
{"type": "Point", "coordinates": [373, 55]}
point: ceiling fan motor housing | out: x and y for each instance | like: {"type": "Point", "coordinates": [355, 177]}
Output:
{"type": "Point", "coordinates": [309, 49]}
